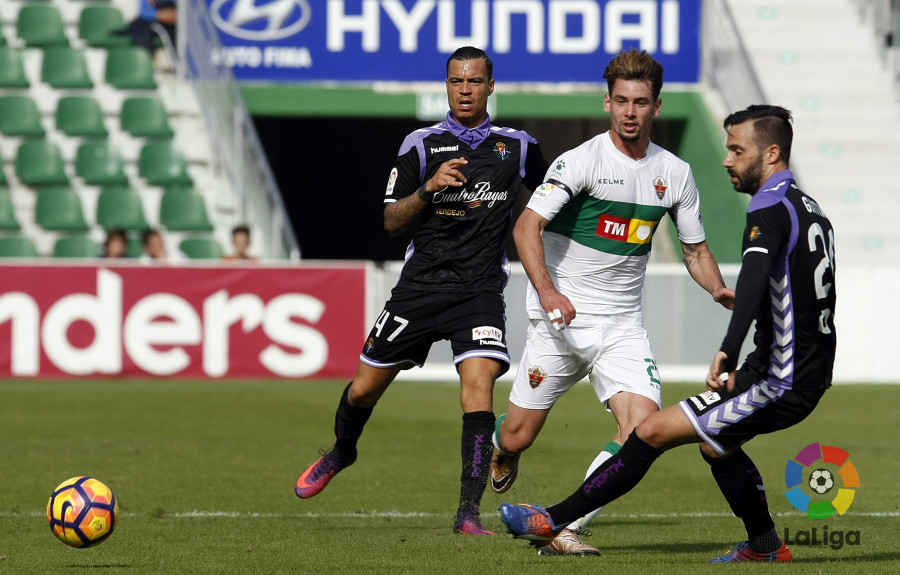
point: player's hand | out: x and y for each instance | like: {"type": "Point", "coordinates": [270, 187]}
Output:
{"type": "Point", "coordinates": [448, 175]}
{"type": "Point", "coordinates": [714, 381]}
{"type": "Point", "coordinates": [558, 307]}
{"type": "Point", "coordinates": [724, 296]}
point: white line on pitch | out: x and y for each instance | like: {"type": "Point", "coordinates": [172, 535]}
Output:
{"type": "Point", "coordinates": [196, 514]}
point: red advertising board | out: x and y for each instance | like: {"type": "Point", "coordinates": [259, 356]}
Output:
{"type": "Point", "coordinates": [194, 322]}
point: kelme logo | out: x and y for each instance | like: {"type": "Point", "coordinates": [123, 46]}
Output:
{"type": "Point", "coordinates": [821, 481]}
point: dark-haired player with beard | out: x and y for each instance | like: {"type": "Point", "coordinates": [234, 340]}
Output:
{"type": "Point", "coordinates": [454, 185]}
{"type": "Point", "coordinates": [786, 284]}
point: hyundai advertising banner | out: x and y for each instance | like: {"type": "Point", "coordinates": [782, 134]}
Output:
{"type": "Point", "coordinates": [159, 321]}
{"type": "Point", "coordinates": [409, 40]}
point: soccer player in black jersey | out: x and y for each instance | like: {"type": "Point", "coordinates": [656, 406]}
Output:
{"type": "Point", "coordinates": [787, 284]}
{"type": "Point", "coordinates": [454, 185]}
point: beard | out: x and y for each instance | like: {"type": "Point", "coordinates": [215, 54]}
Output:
{"type": "Point", "coordinates": [748, 181]}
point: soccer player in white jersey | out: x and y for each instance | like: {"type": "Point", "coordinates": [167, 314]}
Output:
{"type": "Point", "coordinates": [584, 241]}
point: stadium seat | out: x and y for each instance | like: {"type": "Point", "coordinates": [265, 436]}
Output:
{"type": "Point", "coordinates": [40, 163]}
{"type": "Point", "coordinates": [12, 72]}
{"type": "Point", "coordinates": [202, 249]}
{"type": "Point", "coordinates": [120, 207]}
{"type": "Point", "coordinates": [76, 247]}
{"type": "Point", "coordinates": [97, 26]}
{"type": "Point", "coordinates": [183, 210]}
{"type": "Point", "coordinates": [65, 68]}
{"type": "Point", "coordinates": [3, 180]}
{"type": "Point", "coordinates": [99, 164]}
{"type": "Point", "coordinates": [129, 68]}
{"type": "Point", "coordinates": [80, 116]}
{"type": "Point", "coordinates": [8, 219]}
{"type": "Point", "coordinates": [145, 118]}
{"type": "Point", "coordinates": [162, 164]}
{"type": "Point", "coordinates": [135, 247]}
{"type": "Point", "coordinates": [19, 116]}
{"type": "Point", "coordinates": [17, 247]}
{"type": "Point", "coordinates": [59, 208]}
{"type": "Point", "coordinates": [41, 25]}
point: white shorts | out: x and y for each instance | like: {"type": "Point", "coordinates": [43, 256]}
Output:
{"type": "Point", "coordinates": [616, 357]}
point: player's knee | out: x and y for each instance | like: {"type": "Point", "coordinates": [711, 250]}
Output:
{"type": "Point", "coordinates": [652, 432]}
{"type": "Point", "coordinates": [361, 397]}
{"type": "Point", "coordinates": [517, 440]}
{"type": "Point", "coordinates": [708, 452]}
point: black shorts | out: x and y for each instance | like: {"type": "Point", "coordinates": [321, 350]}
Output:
{"type": "Point", "coordinates": [474, 322]}
{"type": "Point", "coordinates": [726, 420]}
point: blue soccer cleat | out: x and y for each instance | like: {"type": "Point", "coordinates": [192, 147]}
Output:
{"type": "Point", "coordinates": [742, 552]}
{"type": "Point", "coordinates": [528, 522]}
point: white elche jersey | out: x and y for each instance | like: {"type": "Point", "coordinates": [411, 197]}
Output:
{"type": "Point", "coordinates": [603, 209]}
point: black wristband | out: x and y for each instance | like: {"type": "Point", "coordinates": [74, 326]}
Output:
{"type": "Point", "coordinates": [424, 194]}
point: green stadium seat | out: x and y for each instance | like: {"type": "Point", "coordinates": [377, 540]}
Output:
{"type": "Point", "coordinates": [40, 163]}
{"type": "Point", "coordinates": [120, 207]}
{"type": "Point", "coordinates": [135, 247]}
{"type": "Point", "coordinates": [80, 116]}
{"type": "Point", "coordinates": [12, 72]}
{"type": "Point", "coordinates": [59, 208]}
{"type": "Point", "coordinates": [3, 180]}
{"type": "Point", "coordinates": [2, 35]}
{"type": "Point", "coordinates": [183, 210]}
{"type": "Point", "coordinates": [202, 249]}
{"type": "Point", "coordinates": [129, 68]}
{"type": "Point", "coordinates": [145, 118]}
{"type": "Point", "coordinates": [100, 164]}
{"type": "Point", "coordinates": [17, 247]}
{"type": "Point", "coordinates": [76, 247]}
{"type": "Point", "coordinates": [65, 68]}
{"type": "Point", "coordinates": [8, 219]}
{"type": "Point", "coordinates": [162, 164]}
{"type": "Point", "coordinates": [19, 116]}
{"type": "Point", "coordinates": [41, 25]}
{"type": "Point", "coordinates": [97, 26]}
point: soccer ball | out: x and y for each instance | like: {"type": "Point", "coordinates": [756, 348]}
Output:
{"type": "Point", "coordinates": [82, 512]}
{"type": "Point", "coordinates": [821, 481]}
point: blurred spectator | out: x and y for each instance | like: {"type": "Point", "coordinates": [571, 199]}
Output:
{"type": "Point", "coordinates": [240, 239]}
{"type": "Point", "coordinates": [116, 244]}
{"type": "Point", "coordinates": [161, 12]}
{"type": "Point", "coordinates": [155, 249]}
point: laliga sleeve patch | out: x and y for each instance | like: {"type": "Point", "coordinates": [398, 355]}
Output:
{"type": "Point", "coordinates": [543, 191]}
{"type": "Point", "coordinates": [391, 181]}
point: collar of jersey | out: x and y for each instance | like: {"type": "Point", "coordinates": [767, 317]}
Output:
{"type": "Point", "coordinates": [469, 136]}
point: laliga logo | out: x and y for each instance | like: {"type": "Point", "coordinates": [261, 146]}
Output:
{"type": "Point", "coordinates": [267, 21]}
{"type": "Point", "coordinates": [810, 469]}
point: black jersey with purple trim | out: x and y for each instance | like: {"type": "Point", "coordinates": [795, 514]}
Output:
{"type": "Point", "coordinates": [460, 242]}
{"type": "Point", "coordinates": [787, 285]}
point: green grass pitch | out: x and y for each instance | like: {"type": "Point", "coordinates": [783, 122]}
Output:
{"type": "Point", "coordinates": [204, 473]}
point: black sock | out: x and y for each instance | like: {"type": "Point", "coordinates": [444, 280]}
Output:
{"type": "Point", "coordinates": [476, 460]}
{"type": "Point", "coordinates": [741, 484]}
{"type": "Point", "coordinates": [614, 478]}
{"type": "Point", "coordinates": [348, 427]}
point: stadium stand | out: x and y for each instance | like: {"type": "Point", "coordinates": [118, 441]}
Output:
{"type": "Point", "coordinates": [95, 132]}
{"type": "Point", "coordinates": [843, 59]}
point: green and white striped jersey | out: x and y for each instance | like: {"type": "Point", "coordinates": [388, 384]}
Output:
{"type": "Point", "coordinates": [603, 209]}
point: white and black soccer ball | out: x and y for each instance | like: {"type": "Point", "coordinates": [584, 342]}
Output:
{"type": "Point", "coordinates": [821, 481]}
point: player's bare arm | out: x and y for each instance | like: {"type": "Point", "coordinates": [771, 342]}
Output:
{"type": "Point", "coordinates": [702, 266]}
{"type": "Point", "coordinates": [399, 216]}
{"type": "Point", "coordinates": [527, 235]}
